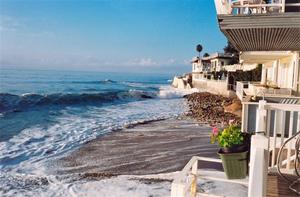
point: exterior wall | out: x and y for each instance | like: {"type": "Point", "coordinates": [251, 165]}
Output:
{"type": "Point", "coordinates": [198, 76]}
{"type": "Point", "coordinates": [218, 64]}
{"type": "Point", "coordinates": [215, 87]}
{"type": "Point", "coordinates": [196, 67]}
{"type": "Point", "coordinates": [283, 72]}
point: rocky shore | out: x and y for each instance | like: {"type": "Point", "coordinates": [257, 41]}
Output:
{"type": "Point", "coordinates": [213, 109]}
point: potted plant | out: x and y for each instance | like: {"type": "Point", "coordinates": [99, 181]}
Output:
{"type": "Point", "coordinates": [233, 151]}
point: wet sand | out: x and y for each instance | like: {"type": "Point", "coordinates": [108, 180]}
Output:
{"type": "Point", "coordinates": [155, 147]}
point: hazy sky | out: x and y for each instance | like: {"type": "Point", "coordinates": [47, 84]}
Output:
{"type": "Point", "coordinates": [106, 35]}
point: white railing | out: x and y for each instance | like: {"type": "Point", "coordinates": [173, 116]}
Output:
{"type": "Point", "coordinates": [185, 183]}
{"type": "Point", "coordinates": [275, 123]}
{"type": "Point", "coordinates": [278, 91]}
{"type": "Point", "coordinates": [240, 85]}
{"type": "Point", "coordinates": [270, 133]}
{"type": "Point", "coordinates": [256, 89]}
{"type": "Point", "coordinates": [226, 7]}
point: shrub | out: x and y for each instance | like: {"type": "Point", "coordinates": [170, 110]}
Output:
{"type": "Point", "coordinates": [228, 137]}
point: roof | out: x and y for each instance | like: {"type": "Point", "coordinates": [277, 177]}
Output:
{"type": "Point", "coordinates": [195, 59]}
{"type": "Point", "coordinates": [218, 55]}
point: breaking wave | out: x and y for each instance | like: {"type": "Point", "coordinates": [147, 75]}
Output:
{"type": "Point", "coordinates": [106, 81]}
{"type": "Point", "coordinates": [12, 102]}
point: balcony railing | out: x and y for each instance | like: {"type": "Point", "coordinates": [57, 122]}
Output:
{"type": "Point", "coordinates": [274, 124]}
{"type": "Point", "coordinates": [248, 7]}
{"type": "Point", "coordinates": [255, 89]}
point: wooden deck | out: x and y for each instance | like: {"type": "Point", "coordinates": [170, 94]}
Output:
{"type": "Point", "coordinates": [278, 187]}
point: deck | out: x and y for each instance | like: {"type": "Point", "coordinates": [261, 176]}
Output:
{"type": "Point", "coordinates": [277, 187]}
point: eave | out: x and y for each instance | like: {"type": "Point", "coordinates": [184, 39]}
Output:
{"type": "Point", "coordinates": [262, 32]}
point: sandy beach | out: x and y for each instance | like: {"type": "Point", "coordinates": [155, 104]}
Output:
{"type": "Point", "coordinates": [143, 161]}
{"type": "Point", "coordinates": [155, 147]}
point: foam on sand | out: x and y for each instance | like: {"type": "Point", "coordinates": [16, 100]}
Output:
{"type": "Point", "coordinates": [125, 185]}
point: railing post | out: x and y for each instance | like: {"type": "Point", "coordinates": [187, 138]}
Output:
{"type": "Point", "coordinates": [194, 179]}
{"type": "Point", "coordinates": [258, 171]}
{"type": "Point", "coordinates": [178, 189]}
{"type": "Point", "coordinates": [245, 118]}
{"type": "Point", "coordinates": [261, 121]}
{"type": "Point", "coordinates": [283, 6]}
{"type": "Point", "coordinates": [259, 156]}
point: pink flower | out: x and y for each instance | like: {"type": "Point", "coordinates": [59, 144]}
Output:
{"type": "Point", "coordinates": [215, 131]}
{"type": "Point", "coordinates": [231, 121]}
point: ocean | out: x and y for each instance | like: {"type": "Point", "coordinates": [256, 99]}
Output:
{"type": "Point", "coordinates": [45, 115]}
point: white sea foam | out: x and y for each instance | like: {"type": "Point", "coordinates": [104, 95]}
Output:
{"type": "Point", "coordinates": [168, 92]}
{"type": "Point", "coordinates": [124, 185]}
{"type": "Point", "coordinates": [30, 152]}
{"type": "Point", "coordinates": [33, 147]}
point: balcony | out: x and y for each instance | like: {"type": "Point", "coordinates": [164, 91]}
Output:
{"type": "Point", "coordinates": [255, 89]}
{"type": "Point", "coordinates": [252, 7]}
{"type": "Point", "coordinates": [273, 155]}
{"type": "Point", "coordinates": [253, 25]}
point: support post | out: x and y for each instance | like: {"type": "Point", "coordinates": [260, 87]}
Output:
{"type": "Point", "coordinates": [178, 190]}
{"type": "Point", "coordinates": [275, 71]}
{"type": "Point", "coordinates": [259, 157]}
{"type": "Point", "coordinates": [263, 75]}
{"type": "Point", "coordinates": [258, 166]}
{"type": "Point", "coordinates": [194, 179]}
{"type": "Point", "coordinates": [261, 121]}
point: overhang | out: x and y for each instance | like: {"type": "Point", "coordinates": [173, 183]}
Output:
{"type": "Point", "coordinates": [262, 32]}
{"type": "Point", "coordinates": [262, 57]}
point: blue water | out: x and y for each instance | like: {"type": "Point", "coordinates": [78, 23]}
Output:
{"type": "Point", "coordinates": [47, 114]}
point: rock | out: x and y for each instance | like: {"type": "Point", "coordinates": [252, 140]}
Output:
{"type": "Point", "coordinates": [209, 108]}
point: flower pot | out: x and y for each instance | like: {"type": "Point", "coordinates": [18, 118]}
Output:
{"type": "Point", "coordinates": [235, 149]}
{"type": "Point", "coordinates": [234, 164]}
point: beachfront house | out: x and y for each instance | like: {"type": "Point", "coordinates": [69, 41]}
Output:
{"type": "Point", "coordinates": [266, 32]}
{"type": "Point", "coordinates": [209, 73]}
{"type": "Point", "coordinates": [280, 75]}
{"type": "Point", "coordinates": [204, 68]}
{"type": "Point", "coordinates": [216, 73]}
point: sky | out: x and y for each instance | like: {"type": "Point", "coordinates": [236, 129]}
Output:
{"type": "Point", "coordinates": [106, 35]}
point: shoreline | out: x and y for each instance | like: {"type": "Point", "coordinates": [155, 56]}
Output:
{"type": "Point", "coordinates": [137, 149]}
{"type": "Point", "coordinates": [153, 147]}
{"type": "Point", "coordinates": [142, 159]}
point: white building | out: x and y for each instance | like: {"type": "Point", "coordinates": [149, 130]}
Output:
{"type": "Point", "coordinates": [267, 33]}
{"type": "Point", "coordinates": [280, 73]}
{"type": "Point", "coordinates": [203, 68]}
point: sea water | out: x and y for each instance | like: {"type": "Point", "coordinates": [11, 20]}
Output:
{"type": "Point", "coordinates": [45, 115]}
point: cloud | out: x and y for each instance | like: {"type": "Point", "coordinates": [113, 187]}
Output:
{"type": "Point", "coordinates": [171, 61]}
{"type": "Point", "coordinates": [21, 26]}
{"type": "Point", "coordinates": [150, 62]}
{"type": "Point", "coordinates": [142, 62]}
{"type": "Point", "coordinates": [8, 23]}
{"type": "Point", "coordinates": [186, 62]}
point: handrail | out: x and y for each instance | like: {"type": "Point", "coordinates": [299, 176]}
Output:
{"type": "Point", "coordinates": [185, 183]}
{"type": "Point", "coordinates": [227, 6]}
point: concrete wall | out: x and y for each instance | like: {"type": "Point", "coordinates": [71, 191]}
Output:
{"type": "Point", "coordinates": [214, 86]}
{"type": "Point", "coordinates": [180, 83]}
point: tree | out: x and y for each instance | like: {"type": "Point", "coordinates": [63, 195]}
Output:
{"type": "Point", "coordinates": [199, 49]}
{"type": "Point", "coordinates": [229, 48]}
{"type": "Point", "coordinates": [205, 55]}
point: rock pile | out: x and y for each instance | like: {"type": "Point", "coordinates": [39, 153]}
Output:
{"type": "Point", "coordinates": [209, 108]}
